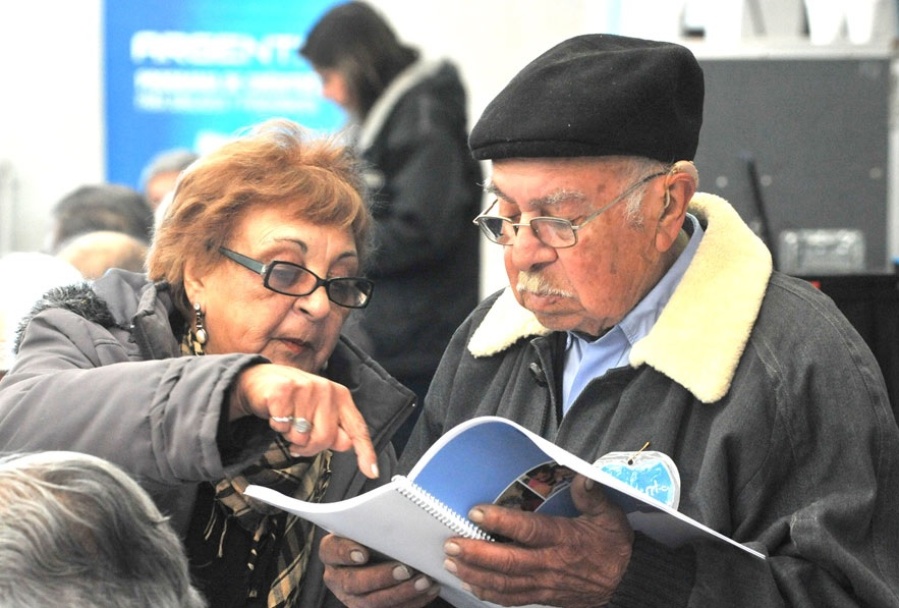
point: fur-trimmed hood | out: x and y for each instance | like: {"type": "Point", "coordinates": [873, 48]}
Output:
{"type": "Point", "coordinates": [701, 334]}
{"type": "Point", "coordinates": [78, 298]}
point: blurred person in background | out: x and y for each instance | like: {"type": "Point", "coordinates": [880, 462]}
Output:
{"type": "Point", "coordinates": [94, 207]}
{"type": "Point", "coordinates": [408, 121]}
{"type": "Point", "coordinates": [93, 253]}
{"type": "Point", "coordinates": [160, 175]}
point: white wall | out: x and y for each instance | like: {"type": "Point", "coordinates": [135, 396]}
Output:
{"type": "Point", "coordinates": [51, 96]}
{"type": "Point", "coordinates": [51, 111]}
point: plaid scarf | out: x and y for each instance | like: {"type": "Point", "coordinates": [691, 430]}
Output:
{"type": "Point", "coordinates": [304, 478]}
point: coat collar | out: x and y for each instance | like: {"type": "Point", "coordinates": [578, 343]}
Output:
{"type": "Point", "coordinates": [416, 73]}
{"type": "Point", "coordinates": [702, 332]}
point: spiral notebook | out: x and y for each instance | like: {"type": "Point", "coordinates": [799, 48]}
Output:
{"type": "Point", "coordinates": [483, 460]}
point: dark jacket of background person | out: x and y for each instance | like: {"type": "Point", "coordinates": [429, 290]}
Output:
{"type": "Point", "coordinates": [169, 449]}
{"type": "Point", "coordinates": [426, 190]}
{"type": "Point", "coordinates": [425, 187]}
{"type": "Point", "coordinates": [773, 408]}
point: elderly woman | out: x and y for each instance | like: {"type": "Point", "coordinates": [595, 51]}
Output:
{"type": "Point", "coordinates": [226, 364]}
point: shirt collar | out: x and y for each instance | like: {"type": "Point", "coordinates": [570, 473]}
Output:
{"type": "Point", "coordinates": [637, 323]}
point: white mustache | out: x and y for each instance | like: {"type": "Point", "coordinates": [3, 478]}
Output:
{"type": "Point", "coordinates": [535, 284]}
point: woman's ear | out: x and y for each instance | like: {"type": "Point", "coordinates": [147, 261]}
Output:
{"type": "Point", "coordinates": [194, 285]}
{"type": "Point", "coordinates": [680, 186]}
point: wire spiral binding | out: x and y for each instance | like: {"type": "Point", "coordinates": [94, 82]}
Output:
{"type": "Point", "coordinates": [442, 513]}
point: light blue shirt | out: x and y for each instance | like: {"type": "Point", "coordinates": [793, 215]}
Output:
{"type": "Point", "coordinates": [585, 360]}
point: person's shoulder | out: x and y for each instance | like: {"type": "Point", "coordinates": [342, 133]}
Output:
{"type": "Point", "coordinates": [79, 299]}
{"type": "Point", "coordinates": [436, 86]}
{"type": "Point", "coordinates": [67, 306]}
{"type": "Point", "coordinates": [126, 292]}
{"type": "Point", "coordinates": [445, 71]}
{"type": "Point", "coordinates": [795, 314]}
{"type": "Point", "coordinates": [475, 319]}
{"type": "Point", "coordinates": [795, 295]}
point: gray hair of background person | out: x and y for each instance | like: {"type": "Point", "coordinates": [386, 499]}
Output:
{"type": "Point", "coordinates": [76, 531]}
{"type": "Point", "coordinates": [167, 161]}
{"type": "Point", "coordinates": [100, 207]}
{"type": "Point", "coordinates": [354, 39]}
{"type": "Point", "coordinates": [159, 176]}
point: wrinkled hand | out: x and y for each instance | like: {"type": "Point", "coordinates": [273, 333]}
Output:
{"type": "Point", "coordinates": [277, 391]}
{"type": "Point", "coordinates": [358, 583]}
{"type": "Point", "coordinates": [569, 562]}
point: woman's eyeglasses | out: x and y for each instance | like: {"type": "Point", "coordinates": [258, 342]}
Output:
{"type": "Point", "coordinates": [294, 280]}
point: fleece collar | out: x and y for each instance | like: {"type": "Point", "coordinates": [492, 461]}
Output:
{"type": "Point", "coordinates": [701, 334]}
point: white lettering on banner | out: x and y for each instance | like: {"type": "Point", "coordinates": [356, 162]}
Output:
{"type": "Point", "coordinates": [220, 72]}
{"type": "Point", "coordinates": [199, 90]}
{"type": "Point", "coordinates": [223, 49]}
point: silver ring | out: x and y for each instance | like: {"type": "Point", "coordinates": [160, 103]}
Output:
{"type": "Point", "coordinates": [282, 418]}
{"type": "Point", "coordinates": [301, 425]}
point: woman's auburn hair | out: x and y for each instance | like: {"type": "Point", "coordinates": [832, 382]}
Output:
{"type": "Point", "coordinates": [275, 164]}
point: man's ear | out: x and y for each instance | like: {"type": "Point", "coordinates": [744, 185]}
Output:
{"type": "Point", "coordinates": [680, 186]}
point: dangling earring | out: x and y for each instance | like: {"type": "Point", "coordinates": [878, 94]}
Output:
{"type": "Point", "coordinates": [198, 335]}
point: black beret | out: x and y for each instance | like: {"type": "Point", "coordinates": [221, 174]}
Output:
{"type": "Point", "coordinates": [597, 95]}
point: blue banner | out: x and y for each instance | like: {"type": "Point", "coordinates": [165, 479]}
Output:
{"type": "Point", "coordinates": [192, 73]}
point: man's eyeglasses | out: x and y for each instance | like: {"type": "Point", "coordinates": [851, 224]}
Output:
{"type": "Point", "coordinates": [295, 280]}
{"type": "Point", "coordinates": [555, 232]}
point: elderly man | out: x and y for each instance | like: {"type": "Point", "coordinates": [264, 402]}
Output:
{"type": "Point", "coordinates": [643, 314]}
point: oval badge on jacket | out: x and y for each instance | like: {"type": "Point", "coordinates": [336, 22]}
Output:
{"type": "Point", "coordinates": [653, 473]}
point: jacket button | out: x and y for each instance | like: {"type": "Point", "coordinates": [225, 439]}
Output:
{"type": "Point", "coordinates": [538, 373]}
